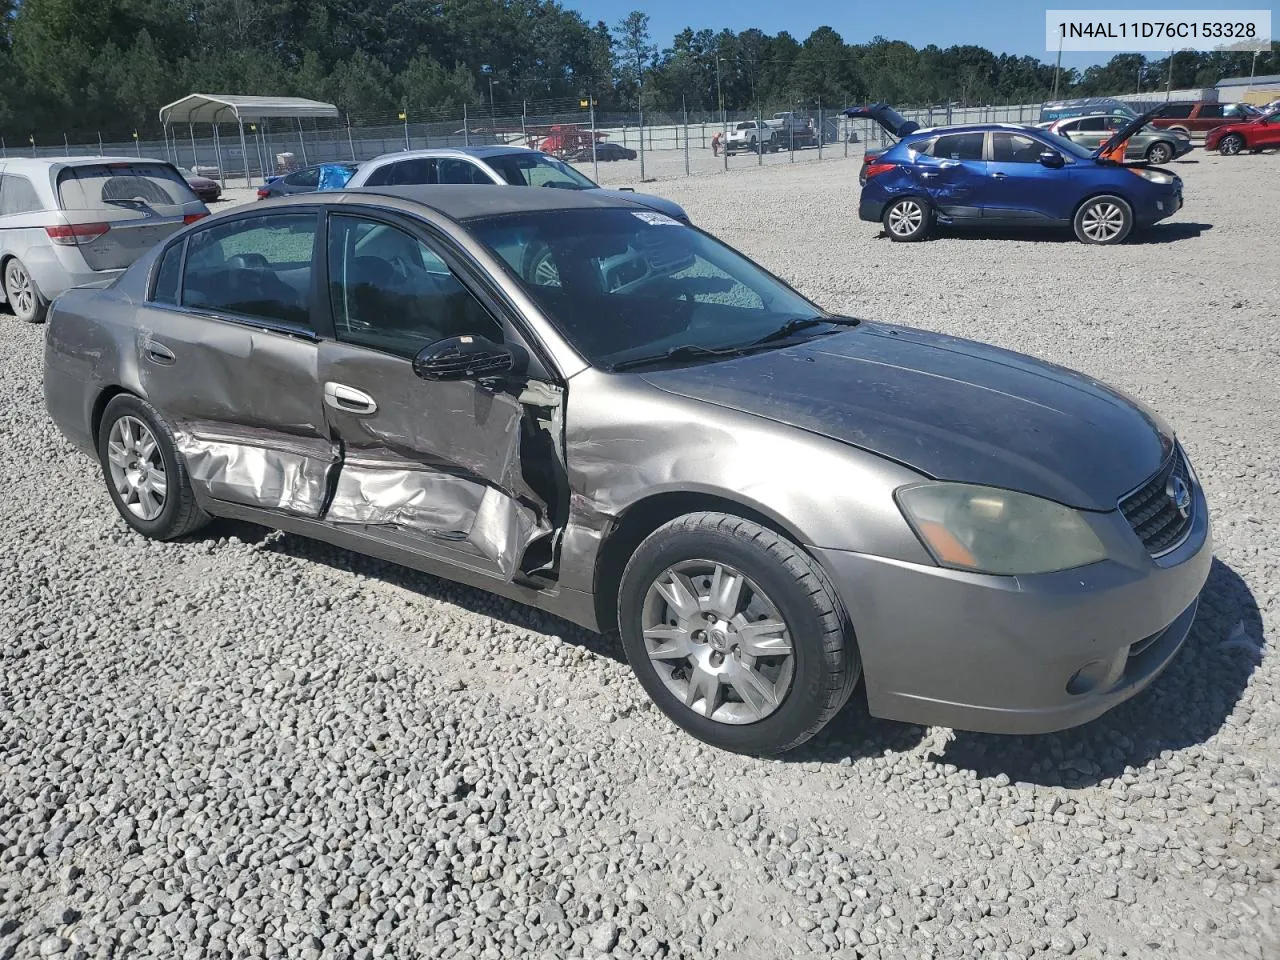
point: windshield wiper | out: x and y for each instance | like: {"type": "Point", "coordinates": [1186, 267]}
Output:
{"type": "Point", "coordinates": [796, 324]}
{"type": "Point", "coordinates": [686, 351]}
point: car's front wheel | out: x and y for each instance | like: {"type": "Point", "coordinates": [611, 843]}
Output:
{"type": "Point", "coordinates": [1103, 220]}
{"type": "Point", "coordinates": [1159, 153]}
{"type": "Point", "coordinates": [146, 477]}
{"type": "Point", "coordinates": [906, 219]}
{"type": "Point", "coordinates": [25, 299]}
{"type": "Point", "coordinates": [1231, 144]}
{"type": "Point", "coordinates": [736, 634]}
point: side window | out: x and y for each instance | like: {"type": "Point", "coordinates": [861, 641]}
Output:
{"type": "Point", "coordinates": [1233, 110]}
{"type": "Point", "coordinates": [1177, 111]}
{"type": "Point", "coordinates": [1211, 111]}
{"type": "Point", "coordinates": [452, 170]}
{"type": "Point", "coordinates": [958, 146]}
{"type": "Point", "coordinates": [256, 267]}
{"type": "Point", "coordinates": [1014, 148]}
{"type": "Point", "coordinates": [1091, 124]}
{"type": "Point", "coordinates": [17, 195]}
{"type": "Point", "coordinates": [304, 178]}
{"type": "Point", "coordinates": [391, 292]}
{"type": "Point", "coordinates": [419, 170]}
{"type": "Point", "coordinates": [168, 275]}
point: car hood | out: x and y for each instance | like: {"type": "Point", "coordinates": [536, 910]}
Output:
{"type": "Point", "coordinates": [949, 408]}
{"type": "Point", "coordinates": [1113, 147]}
{"type": "Point", "coordinates": [661, 204]}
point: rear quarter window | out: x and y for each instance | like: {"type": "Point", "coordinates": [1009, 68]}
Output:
{"type": "Point", "coordinates": [122, 186]}
{"type": "Point", "coordinates": [18, 195]}
{"type": "Point", "coordinates": [168, 275]}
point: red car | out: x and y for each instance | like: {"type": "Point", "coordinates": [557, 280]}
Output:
{"type": "Point", "coordinates": [1256, 134]}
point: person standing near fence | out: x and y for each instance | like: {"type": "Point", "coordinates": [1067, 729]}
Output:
{"type": "Point", "coordinates": [715, 145]}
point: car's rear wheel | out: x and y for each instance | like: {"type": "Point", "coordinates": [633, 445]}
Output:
{"type": "Point", "coordinates": [907, 219]}
{"type": "Point", "coordinates": [1159, 152]}
{"type": "Point", "coordinates": [145, 476]}
{"type": "Point", "coordinates": [1231, 144]}
{"type": "Point", "coordinates": [25, 299]}
{"type": "Point", "coordinates": [1103, 220]}
{"type": "Point", "coordinates": [736, 634]}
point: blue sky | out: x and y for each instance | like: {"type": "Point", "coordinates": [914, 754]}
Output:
{"type": "Point", "coordinates": [1002, 26]}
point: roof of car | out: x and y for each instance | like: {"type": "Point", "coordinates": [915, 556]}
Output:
{"type": "Point", "coordinates": [479, 153]}
{"type": "Point", "coordinates": [968, 128]}
{"type": "Point", "coordinates": [16, 164]}
{"type": "Point", "coordinates": [464, 201]}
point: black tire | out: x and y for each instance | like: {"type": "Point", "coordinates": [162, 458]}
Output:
{"type": "Point", "coordinates": [179, 515]}
{"type": "Point", "coordinates": [1111, 218]}
{"type": "Point", "coordinates": [1231, 144]}
{"type": "Point", "coordinates": [538, 266]}
{"type": "Point", "coordinates": [826, 663]}
{"type": "Point", "coordinates": [907, 219]}
{"type": "Point", "coordinates": [1159, 152]}
{"type": "Point", "coordinates": [24, 297]}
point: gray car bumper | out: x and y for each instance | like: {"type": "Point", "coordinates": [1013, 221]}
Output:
{"type": "Point", "coordinates": [1017, 654]}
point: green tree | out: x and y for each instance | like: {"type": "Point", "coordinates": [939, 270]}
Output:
{"type": "Point", "coordinates": [634, 50]}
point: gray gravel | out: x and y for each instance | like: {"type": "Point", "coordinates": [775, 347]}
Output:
{"type": "Point", "coordinates": [254, 745]}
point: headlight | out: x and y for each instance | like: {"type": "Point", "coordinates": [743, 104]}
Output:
{"type": "Point", "coordinates": [1155, 176]}
{"type": "Point", "coordinates": [989, 530]}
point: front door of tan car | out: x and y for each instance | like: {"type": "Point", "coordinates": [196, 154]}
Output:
{"type": "Point", "coordinates": [437, 468]}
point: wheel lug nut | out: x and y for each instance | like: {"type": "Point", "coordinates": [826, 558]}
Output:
{"type": "Point", "coordinates": [717, 659]}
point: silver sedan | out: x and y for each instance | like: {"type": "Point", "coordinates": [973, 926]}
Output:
{"type": "Point", "coordinates": [578, 402]}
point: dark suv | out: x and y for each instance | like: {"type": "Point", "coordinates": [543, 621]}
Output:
{"type": "Point", "coordinates": [1201, 116]}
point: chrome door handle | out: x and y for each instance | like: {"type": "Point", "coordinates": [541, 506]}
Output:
{"type": "Point", "coordinates": [927, 175]}
{"type": "Point", "coordinates": [349, 399]}
{"type": "Point", "coordinates": [158, 352]}
{"type": "Point", "coordinates": [999, 176]}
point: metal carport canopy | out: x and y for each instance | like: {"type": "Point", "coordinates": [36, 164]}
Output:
{"type": "Point", "coordinates": [208, 108]}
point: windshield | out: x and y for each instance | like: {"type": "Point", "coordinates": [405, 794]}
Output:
{"type": "Point", "coordinates": [625, 285]}
{"type": "Point", "coordinates": [538, 170]}
{"type": "Point", "coordinates": [1063, 145]}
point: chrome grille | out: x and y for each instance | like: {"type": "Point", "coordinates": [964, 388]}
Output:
{"type": "Point", "coordinates": [1152, 511]}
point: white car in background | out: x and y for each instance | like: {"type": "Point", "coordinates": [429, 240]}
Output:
{"type": "Point", "coordinates": [70, 221]}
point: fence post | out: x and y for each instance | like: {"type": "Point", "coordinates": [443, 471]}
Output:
{"type": "Point", "coordinates": [302, 142]}
{"type": "Point", "coordinates": [685, 108]}
{"type": "Point", "coordinates": [100, 143]}
{"type": "Point", "coordinates": [524, 109]}
{"type": "Point", "coordinates": [217, 152]}
{"type": "Point", "coordinates": [595, 160]}
{"type": "Point", "coordinates": [822, 131]}
{"type": "Point", "coordinates": [641, 144]}
{"type": "Point", "coordinates": [351, 145]}
{"type": "Point", "coordinates": [846, 128]}
{"type": "Point", "coordinates": [195, 157]}
{"type": "Point", "coordinates": [4, 150]}
{"type": "Point", "coordinates": [466, 127]}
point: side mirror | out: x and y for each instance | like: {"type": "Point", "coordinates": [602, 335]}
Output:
{"type": "Point", "coordinates": [468, 357]}
{"type": "Point", "coordinates": [1051, 158]}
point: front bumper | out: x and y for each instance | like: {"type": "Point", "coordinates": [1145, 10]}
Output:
{"type": "Point", "coordinates": [1018, 654]}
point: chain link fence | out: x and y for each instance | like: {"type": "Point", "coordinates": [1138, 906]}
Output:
{"type": "Point", "coordinates": [664, 145]}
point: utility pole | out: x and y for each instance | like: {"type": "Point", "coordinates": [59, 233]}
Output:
{"type": "Point", "coordinates": [724, 118]}
{"type": "Point", "coordinates": [1168, 90]}
{"type": "Point", "coordinates": [1057, 70]}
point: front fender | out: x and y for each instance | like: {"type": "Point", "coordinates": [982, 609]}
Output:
{"type": "Point", "coordinates": [627, 441]}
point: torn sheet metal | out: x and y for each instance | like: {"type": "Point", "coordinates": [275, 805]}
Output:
{"type": "Point", "coordinates": [258, 467]}
{"type": "Point", "coordinates": [462, 512]}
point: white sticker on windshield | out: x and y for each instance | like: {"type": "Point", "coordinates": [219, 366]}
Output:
{"type": "Point", "coordinates": [656, 219]}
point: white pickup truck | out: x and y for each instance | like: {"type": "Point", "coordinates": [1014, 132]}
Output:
{"type": "Point", "coordinates": [752, 136]}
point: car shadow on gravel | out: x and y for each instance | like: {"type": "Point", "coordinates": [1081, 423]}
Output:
{"type": "Point", "coordinates": [424, 584]}
{"type": "Point", "coordinates": [1185, 705]}
{"type": "Point", "coordinates": [1160, 233]}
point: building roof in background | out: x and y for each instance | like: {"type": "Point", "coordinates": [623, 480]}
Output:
{"type": "Point", "coordinates": [1270, 80]}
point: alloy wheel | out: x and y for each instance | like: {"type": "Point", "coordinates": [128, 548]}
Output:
{"type": "Point", "coordinates": [905, 218]}
{"type": "Point", "coordinates": [1231, 145]}
{"type": "Point", "coordinates": [717, 642]}
{"type": "Point", "coordinates": [1103, 221]}
{"type": "Point", "coordinates": [19, 289]}
{"type": "Point", "coordinates": [1159, 153]}
{"type": "Point", "coordinates": [137, 468]}
{"type": "Point", "coordinates": [545, 273]}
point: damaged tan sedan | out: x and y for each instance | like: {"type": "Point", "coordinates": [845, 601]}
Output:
{"type": "Point", "coordinates": [579, 403]}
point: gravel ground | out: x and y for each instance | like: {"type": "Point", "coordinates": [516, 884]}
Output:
{"type": "Point", "coordinates": [255, 745]}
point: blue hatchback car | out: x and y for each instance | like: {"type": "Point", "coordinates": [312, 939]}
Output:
{"type": "Point", "coordinates": [1005, 175]}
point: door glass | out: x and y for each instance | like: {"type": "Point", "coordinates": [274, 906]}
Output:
{"type": "Point", "coordinates": [391, 292]}
{"type": "Point", "coordinates": [1091, 124]}
{"type": "Point", "coordinates": [258, 267]}
{"type": "Point", "coordinates": [460, 171]}
{"type": "Point", "coordinates": [1015, 148]}
{"type": "Point", "coordinates": [958, 146]}
{"type": "Point", "coordinates": [1212, 111]}
{"type": "Point", "coordinates": [1177, 111]}
{"type": "Point", "coordinates": [304, 178]}
{"type": "Point", "coordinates": [166, 288]}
